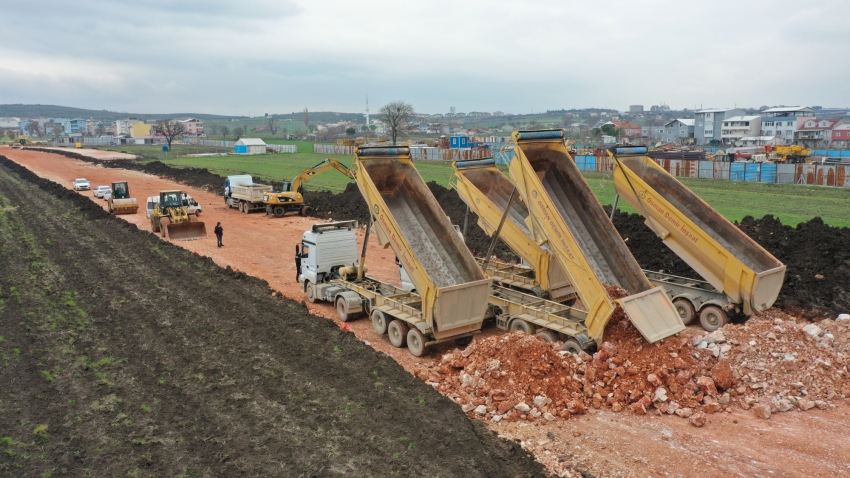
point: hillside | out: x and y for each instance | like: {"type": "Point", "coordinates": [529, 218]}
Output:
{"type": "Point", "coordinates": [55, 111]}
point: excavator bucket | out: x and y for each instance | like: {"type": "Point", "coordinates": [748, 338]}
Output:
{"type": "Point", "coordinates": [186, 231]}
{"type": "Point", "coordinates": [124, 206]}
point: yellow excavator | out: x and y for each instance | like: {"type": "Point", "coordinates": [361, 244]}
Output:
{"type": "Point", "coordinates": [171, 219]}
{"type": "Point", "coordinates": [291, 196]}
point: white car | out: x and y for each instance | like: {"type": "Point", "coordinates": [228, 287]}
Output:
{"type": "Point", "coordinates": [107, 195]}
{"type": "Point", "coordinates": [81, 183]}
{"type": "Point", "coordinates": [98, 191]}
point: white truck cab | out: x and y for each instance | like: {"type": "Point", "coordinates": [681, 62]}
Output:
{"type": "Point", "coordinates": [324, 249]}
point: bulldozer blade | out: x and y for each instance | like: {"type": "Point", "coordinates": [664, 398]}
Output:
{"type": "Point", "coordinates": [186, 231]}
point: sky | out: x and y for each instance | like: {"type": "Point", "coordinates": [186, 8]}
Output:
{"type": "Point", "coordinates": [251, 57]}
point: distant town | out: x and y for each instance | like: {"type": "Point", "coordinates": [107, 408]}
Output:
{"type": "Point", "coordinates": [813, 127]}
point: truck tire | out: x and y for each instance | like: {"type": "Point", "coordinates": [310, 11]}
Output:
{"type": "Point", "coordinates": [311, 292]}
{"type": "Point", "coordinates": [397, 332]}
{"type": "Point", "coordinates": [572, 346]}
{"type": "Point", "coordinates": [686, 310]}
{"type": "Point", "coordinates": [416, 342]}
{"type": "Point", "coordinates": [463, 341]}
{"type": "Point", "coordinates": [379, 322]}
{"type": "Point", "coordinates": [520, 325]}
{"type": "Point", "coordinates": [245, 207]}
{"type": "Point", "coordinates": [342, 309]}
{"type": "Point", "coordinates": [712, 318]}
{"type": "Point", "coordinates": [279, 211]}
{"type": "Point", "coordinates": [305, 210]}
{"type": "Point", "coordinates": [547, 336]}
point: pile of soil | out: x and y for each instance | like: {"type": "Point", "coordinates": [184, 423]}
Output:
{"type": "Point", "coordinates": [113, 336]}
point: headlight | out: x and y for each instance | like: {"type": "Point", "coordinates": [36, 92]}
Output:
{"type": "Point", "coordinates": [265, 198]}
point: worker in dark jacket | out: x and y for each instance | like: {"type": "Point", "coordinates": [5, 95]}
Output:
{"type": "Point", "coordinates": [219, 231]}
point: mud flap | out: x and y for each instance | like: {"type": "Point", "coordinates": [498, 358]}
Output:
{"type": "Point", "coordinates": [186, 231]}
{"type": "Point", "coordinates": [652, 312]}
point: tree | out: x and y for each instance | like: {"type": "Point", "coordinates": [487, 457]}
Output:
{"type": "Point", "coordinates": [272, 125]}
{"type": "Point", "coordinates": [610, 130]}
{"type": "Point", "coordinates": [214, 129]}
{"type": "Point", "coordinates": [238, 133]}
{"type": "Point", "coordinates": [350, 131]}
{"type": "Point", "coordinates": [306, 119]}
{"type": "Point", "coordinates": [225, 131]}
{"type": "Point", "coordinates": [33, 128]}
{"type": "Point", "coordinates": [396, 114]}
{"type": "Point", "coordinates": [170, 130]}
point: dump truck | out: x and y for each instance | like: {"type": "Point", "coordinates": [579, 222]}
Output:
{"type": "Point", "coordinates": [451, 301]}
{"type": "Point", "coordinates": [487, 192]}
{"type": "Point", "coordinates": [171, 219]}
{"type": "Point", "coordinates": [241, 192]}
{"type": "Point", "coordinates": [565, 212]}
{"type": "Point", "coordinates": [120, 202]}
{"type": "Point", "coordinates": [729, 260]}
{"type": "Point", "coordinates": [291, 196]}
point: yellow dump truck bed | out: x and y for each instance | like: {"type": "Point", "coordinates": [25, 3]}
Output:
{"type": "Point", "coordinates": [407, 217]}
{"type": "Point", "coordinates": [579, 233]}
{"type": "Point", "coordinates": [715, 248]}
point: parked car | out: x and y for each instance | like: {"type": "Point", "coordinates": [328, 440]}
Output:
{"type": "Point", "coordinates": [98, 191]}
{"type": "Point", "coordinates": [192, 206]}
{"type": "Point", "coordinates": [81, 183]}
{"type": "Point", "coordinates": [107, 195]}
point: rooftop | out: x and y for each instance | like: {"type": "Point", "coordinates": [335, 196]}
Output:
{"type": "Point", "coordinates": [741, 118]}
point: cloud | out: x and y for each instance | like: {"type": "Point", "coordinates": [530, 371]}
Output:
{"type": "Point", "coordinates": [276, 56]}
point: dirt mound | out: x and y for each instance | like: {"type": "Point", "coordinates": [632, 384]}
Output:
{"type": "Point", "coordinates": [177, 386]}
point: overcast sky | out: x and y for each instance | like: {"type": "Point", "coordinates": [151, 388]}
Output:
{"type": "Point", "coordinates": [278, 56]}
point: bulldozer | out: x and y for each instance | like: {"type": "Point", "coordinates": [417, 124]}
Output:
{"type": "Point", "coordinates": [291, 196]}
{"type": "Point", "coordinates": [171, 219]}
{"type": "Point", "coordinates": [120, 202]}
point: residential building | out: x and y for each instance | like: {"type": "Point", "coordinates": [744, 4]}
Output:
{"type": "Point", "coordinates": [736, 128]}
{"type": "Point", "coordinates": [636, 109]}
{"type": "Point", "coordinates": [122, 127]}
{"type": "Point", "coordinates": [498, 113]}
{"type": "Point", "coordinates": [627, 129]}
{"type": "Point", "coordinates": [653, 132]}
{"type": "Point", "coordinates": [193, 127]}
{"type": "Point", "coordinates": [708, 123]}
{"type": "Point", "coordinates": [812, 131]}
{"type": "Point", "coordinates": [9, 122]}
{"type": "Point", "coordinates": [77, 127]}
{"type": "Point", "coordinates": [141, 130]}
{"type": "Point", "coordinates": [781, 122]}
{"type": "Point", "coordinates": [841, 135]}
{"type": "Point", "coordinates": [678, 131]}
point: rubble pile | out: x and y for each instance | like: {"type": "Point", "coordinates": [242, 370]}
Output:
{"type": "Point", "coordinates": [781, 364]}
{"type": "Point", "coordinates": [520, 377]}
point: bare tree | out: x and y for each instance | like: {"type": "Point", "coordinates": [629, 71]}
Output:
{"type": "Point", "coordinates": [396, 114]}
{"type": "Point", "coordinates": [306, 119]}
{"type": "Point", "coordinates": [33, 128]}
{"type": "Point", "coordinates": [170, 130]}
{"type": "Point", "coordinates": [238, 133]}
{"type": "Point", "coordinates": [272, 125]}
{"type": "Point", "coordinates": [214, 129]}
{"type": "Point", "coordinates": [225, 131]}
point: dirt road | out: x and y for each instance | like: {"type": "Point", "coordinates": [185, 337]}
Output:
{"type": "Point", "coordinates": [813, 443]}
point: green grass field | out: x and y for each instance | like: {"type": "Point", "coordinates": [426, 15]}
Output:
{"type": "Point", "coordinates": [791, 204]}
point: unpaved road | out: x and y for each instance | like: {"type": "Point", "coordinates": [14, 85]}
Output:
{"type": "Point", "coordinates": [814, 443]}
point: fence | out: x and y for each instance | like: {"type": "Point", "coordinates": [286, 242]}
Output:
{"type": "Point", "coordinates": [421, 153]}
{"type": "Point", "coordinates": [835, 175]}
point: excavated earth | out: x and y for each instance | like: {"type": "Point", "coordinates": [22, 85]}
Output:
{"type": "Point", "coordinates": [122, 354]}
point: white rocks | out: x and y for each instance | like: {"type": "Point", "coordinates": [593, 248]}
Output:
{"type": "Point", "coordinates": [497, 418]}
{"type": "Point", "coordinates": [789, 357]}
{"type": "Point", "coordinates": [541, 401]}
{"type": "Point", "coordinates": [812, 330]}
{"type": "Point", "coordinates": [843, 317]}
{"type": "Point", "coordinates": [660, 395]}
{"type": "Point", "coordinates": [522, 407]}
{"type": "Point", "coordinates": [467, 408]}
{"type": "Point", "coordinates": [672, 407]}
{"type": "Point", "coordinates": [549, 417]}
{"type": "Point", "coordinates": [684, 412]}
{"type": "Point", "coordinates": [535, 413]}
{"type": "Point", "coordinates": [493, 365]}
{"type": "Point", "coordinates": [481, 410]}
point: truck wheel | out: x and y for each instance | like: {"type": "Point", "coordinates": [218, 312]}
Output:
{"type": "Point", "coordinates": [712, 318]}
{"type": "Point", "coordinates": [520, 325]}
{"type": "Point", "coordinates": [463, 341]}
{"type": "Point", "coordinates": [279, 211]}
{"type": "Point", "coordinates": [245, 207]}
{"type": "Point", "coordinates": [342, 309]}
{"type": "Point", "coordinates": [154, 226]}
{"type": "Point", "coordinates": [572, 346]}
{"type": "Point", "coordinates": [416, 342]}
{"type": "Point", "coordinates": [305, 210]}
{"type": "Point", "coordinates": [311, 292]}
{"type": "Point", "coordinates": [379, 322]}
{"type": "Point", "coordinates": [547, 335]}
{"type": "Point", "coordinates": [686, 310]}
{"type": "Point", "coordinates": [397, 332]}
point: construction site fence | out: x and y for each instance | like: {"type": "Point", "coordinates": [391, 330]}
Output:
{"type": "Point", "coordinates": [814, 174]}
{"type": "Point", "coordinates": [416, 153]}
{"type": "Point", "coordinates": [112, 141]}
{"type": "Point", "coordinates": [828, 153]}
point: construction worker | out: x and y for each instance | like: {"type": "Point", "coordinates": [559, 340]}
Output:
{"type": "Point", "coordinates": [219, 231]}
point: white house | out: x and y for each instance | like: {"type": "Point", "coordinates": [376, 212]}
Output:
{"type": "Point", "coordinates": [678, 131]}
{"type": "Point", "coordinates": [738, 127]}
{"type": "Point", "coordinates": [250, 146]}
{"type": "Point", "coordinates": [782, 123]}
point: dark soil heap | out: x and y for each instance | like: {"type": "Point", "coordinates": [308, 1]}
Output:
{"type": "Point", "coordinates": [125, 355]}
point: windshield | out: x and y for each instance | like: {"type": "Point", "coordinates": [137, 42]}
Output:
{"type": "Point", "coordinates": [170, 200]}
